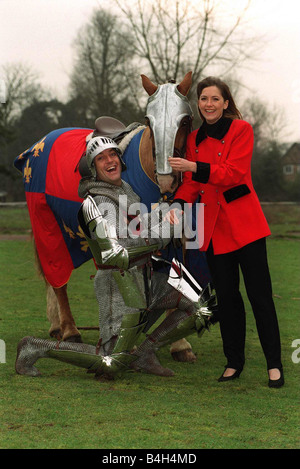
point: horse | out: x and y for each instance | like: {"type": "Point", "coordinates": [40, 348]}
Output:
{"type": "Point", "coordinates": [52, 169]}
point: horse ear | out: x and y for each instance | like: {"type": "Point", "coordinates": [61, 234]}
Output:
{"type": "Point", "coordinates": [148, 85]}
{"type": "Point", "coordinates": [185, 85]}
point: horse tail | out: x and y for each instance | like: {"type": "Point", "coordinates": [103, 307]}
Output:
{"type": "Point", "coordinates": [52, 308]}
{"type": "Point", "coordinates": [38, 264]}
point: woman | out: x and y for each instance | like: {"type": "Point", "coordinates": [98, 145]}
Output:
{"type": "Point", "coordinates": [218, 168]}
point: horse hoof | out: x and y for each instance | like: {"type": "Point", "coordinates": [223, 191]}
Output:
{"type": "Point", "coordinates": [74, 338]}
{"type": "Point", "coordinates": [184, 356]}
{"type": "Point", "coordinates": [56, 334]}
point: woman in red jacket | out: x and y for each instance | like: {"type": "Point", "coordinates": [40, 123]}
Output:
{"type": "Point", "coordinates": [218, 169]}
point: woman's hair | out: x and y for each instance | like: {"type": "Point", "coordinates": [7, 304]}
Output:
{"type": "Point", "coordinates": [232, 111]}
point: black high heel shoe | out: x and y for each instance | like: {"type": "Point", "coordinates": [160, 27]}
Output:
{"type": "Point", "coordinates": [235, 375]}
{"type": "Point", "coordinates": [277, 383]}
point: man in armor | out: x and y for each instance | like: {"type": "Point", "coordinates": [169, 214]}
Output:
{"type": "Point", "coordinates": [131, 295]}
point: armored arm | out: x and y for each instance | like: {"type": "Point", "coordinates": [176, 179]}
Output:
{"type": "Point", "coordinates": [103, 240]}
{"type": "Point", "coordinates": [159, 227]}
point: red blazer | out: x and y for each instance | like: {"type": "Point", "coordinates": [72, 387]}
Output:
{"type": "Point", "coordinates": [233, 216]}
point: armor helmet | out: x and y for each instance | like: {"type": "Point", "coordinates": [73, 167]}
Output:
{"type": "Point", "coordinates": [97, 145]}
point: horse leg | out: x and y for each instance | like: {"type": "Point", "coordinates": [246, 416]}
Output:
{"type": "Point", "coordinates": [62, 324]}
{"type": "Point", "coordinates": [181, 350]}
{"type": "Point", "coordinates": [53, 313]}
{"type": "Point", "coordinates": [69, 331]}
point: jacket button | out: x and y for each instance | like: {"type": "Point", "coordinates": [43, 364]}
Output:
{"type": "Point", "coordinates": [223, 141]}
{"type": "Point", "coordinates": [196, 151]}
{"type": "Point", "coordinates": [218, 203]}
{"type": "Point", "coordinates": [219, 154]}
{"type": "Point", "coordinates": [202, 192]}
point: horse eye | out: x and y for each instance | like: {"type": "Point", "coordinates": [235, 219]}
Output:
{"type": "Point", "coordinates": [184, 122]}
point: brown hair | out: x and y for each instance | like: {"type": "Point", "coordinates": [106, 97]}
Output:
{"type": "Point", "coordinates": [232, 111]}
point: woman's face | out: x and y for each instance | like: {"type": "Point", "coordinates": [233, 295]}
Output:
{"type": "Point", "coordinates": [212, 104]}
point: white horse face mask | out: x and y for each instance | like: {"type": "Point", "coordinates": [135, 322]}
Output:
{"type": "Point", "coordinates": [167, 106]}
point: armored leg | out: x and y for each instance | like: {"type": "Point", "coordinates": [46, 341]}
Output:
{"type": "Point", "coordinates": [132, 327]}
{"type": "Point", "coordinates": [30, 349]}
{"type": "Point", "coordinates": [187, 319]}
{"type": "Point", "coordinates": [177, 325]}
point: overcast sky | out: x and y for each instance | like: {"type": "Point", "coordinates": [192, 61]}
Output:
{"type": "Point", "coordinates": [41, 32]}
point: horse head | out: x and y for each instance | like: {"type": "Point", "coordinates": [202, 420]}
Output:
{"type": "Point", "coordinates": [169, 116]}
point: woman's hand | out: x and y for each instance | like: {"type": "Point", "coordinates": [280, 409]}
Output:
{"type": "Point", "coordinates": [181, 164]}
{"type": "Point", "coordinates": [171, 216]}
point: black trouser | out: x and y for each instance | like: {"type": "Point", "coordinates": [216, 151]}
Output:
{"type": "Point", "coordinates": [224, 268]}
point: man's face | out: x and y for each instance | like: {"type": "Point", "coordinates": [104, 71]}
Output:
{"type": "Point", "coordinates": [108, 167]}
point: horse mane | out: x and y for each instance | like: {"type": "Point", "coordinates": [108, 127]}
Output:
{"type": "Point", "coordinates": [146, 158]}
{"type": "Point", "coordinates": [123, 144]}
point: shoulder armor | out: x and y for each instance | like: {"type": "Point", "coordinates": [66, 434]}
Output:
{"type": "Point", "coordinates": [90, 210]}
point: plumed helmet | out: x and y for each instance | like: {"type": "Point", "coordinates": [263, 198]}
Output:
{"type": "Point", "coordinates": [97, 145]}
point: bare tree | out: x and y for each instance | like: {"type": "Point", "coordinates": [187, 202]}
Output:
{"type": "Point", "coordinates": [268, 123]}
{"type": "Point", "coordinates": [102, 76]}
{"type": "Point", "coordinates": [21, 88]}
{"type": "Point", "coordinates": [172, 37]}
{"type": "Point", "coordinates": [161, 38]}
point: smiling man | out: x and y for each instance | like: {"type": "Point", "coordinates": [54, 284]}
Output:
{"type": "Point", "coordinates": [105, 157]}
{"type": "Point", "coordinates": [108, 167]}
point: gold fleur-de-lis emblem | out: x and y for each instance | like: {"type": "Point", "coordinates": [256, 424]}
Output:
{"type": "Point", "coordinates": [38, 147]}
{"type": "Point", "coordinates": [79, 233]}
{"type": "Point", "coordinates": [20, 157]}
{"type": "Point", "coordinates": [69, 231]}
{"type": "Point", "coordinates": [27, 172]}
{"type": "Point", "coordinates": [84, 243]}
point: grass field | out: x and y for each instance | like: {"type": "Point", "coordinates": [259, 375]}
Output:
{"type": "Point", "coordinates": [66, 408]}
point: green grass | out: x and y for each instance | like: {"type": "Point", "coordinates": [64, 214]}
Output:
{"type": "Point", "coordinates": [14, 221]}
{"type": "Point", "coordinates": [67, 408]}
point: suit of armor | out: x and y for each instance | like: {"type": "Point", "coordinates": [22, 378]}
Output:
{"type": "Point", "coordinates": [130, 294]}
{"type": "Point", "coordinates": [122, 245]}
